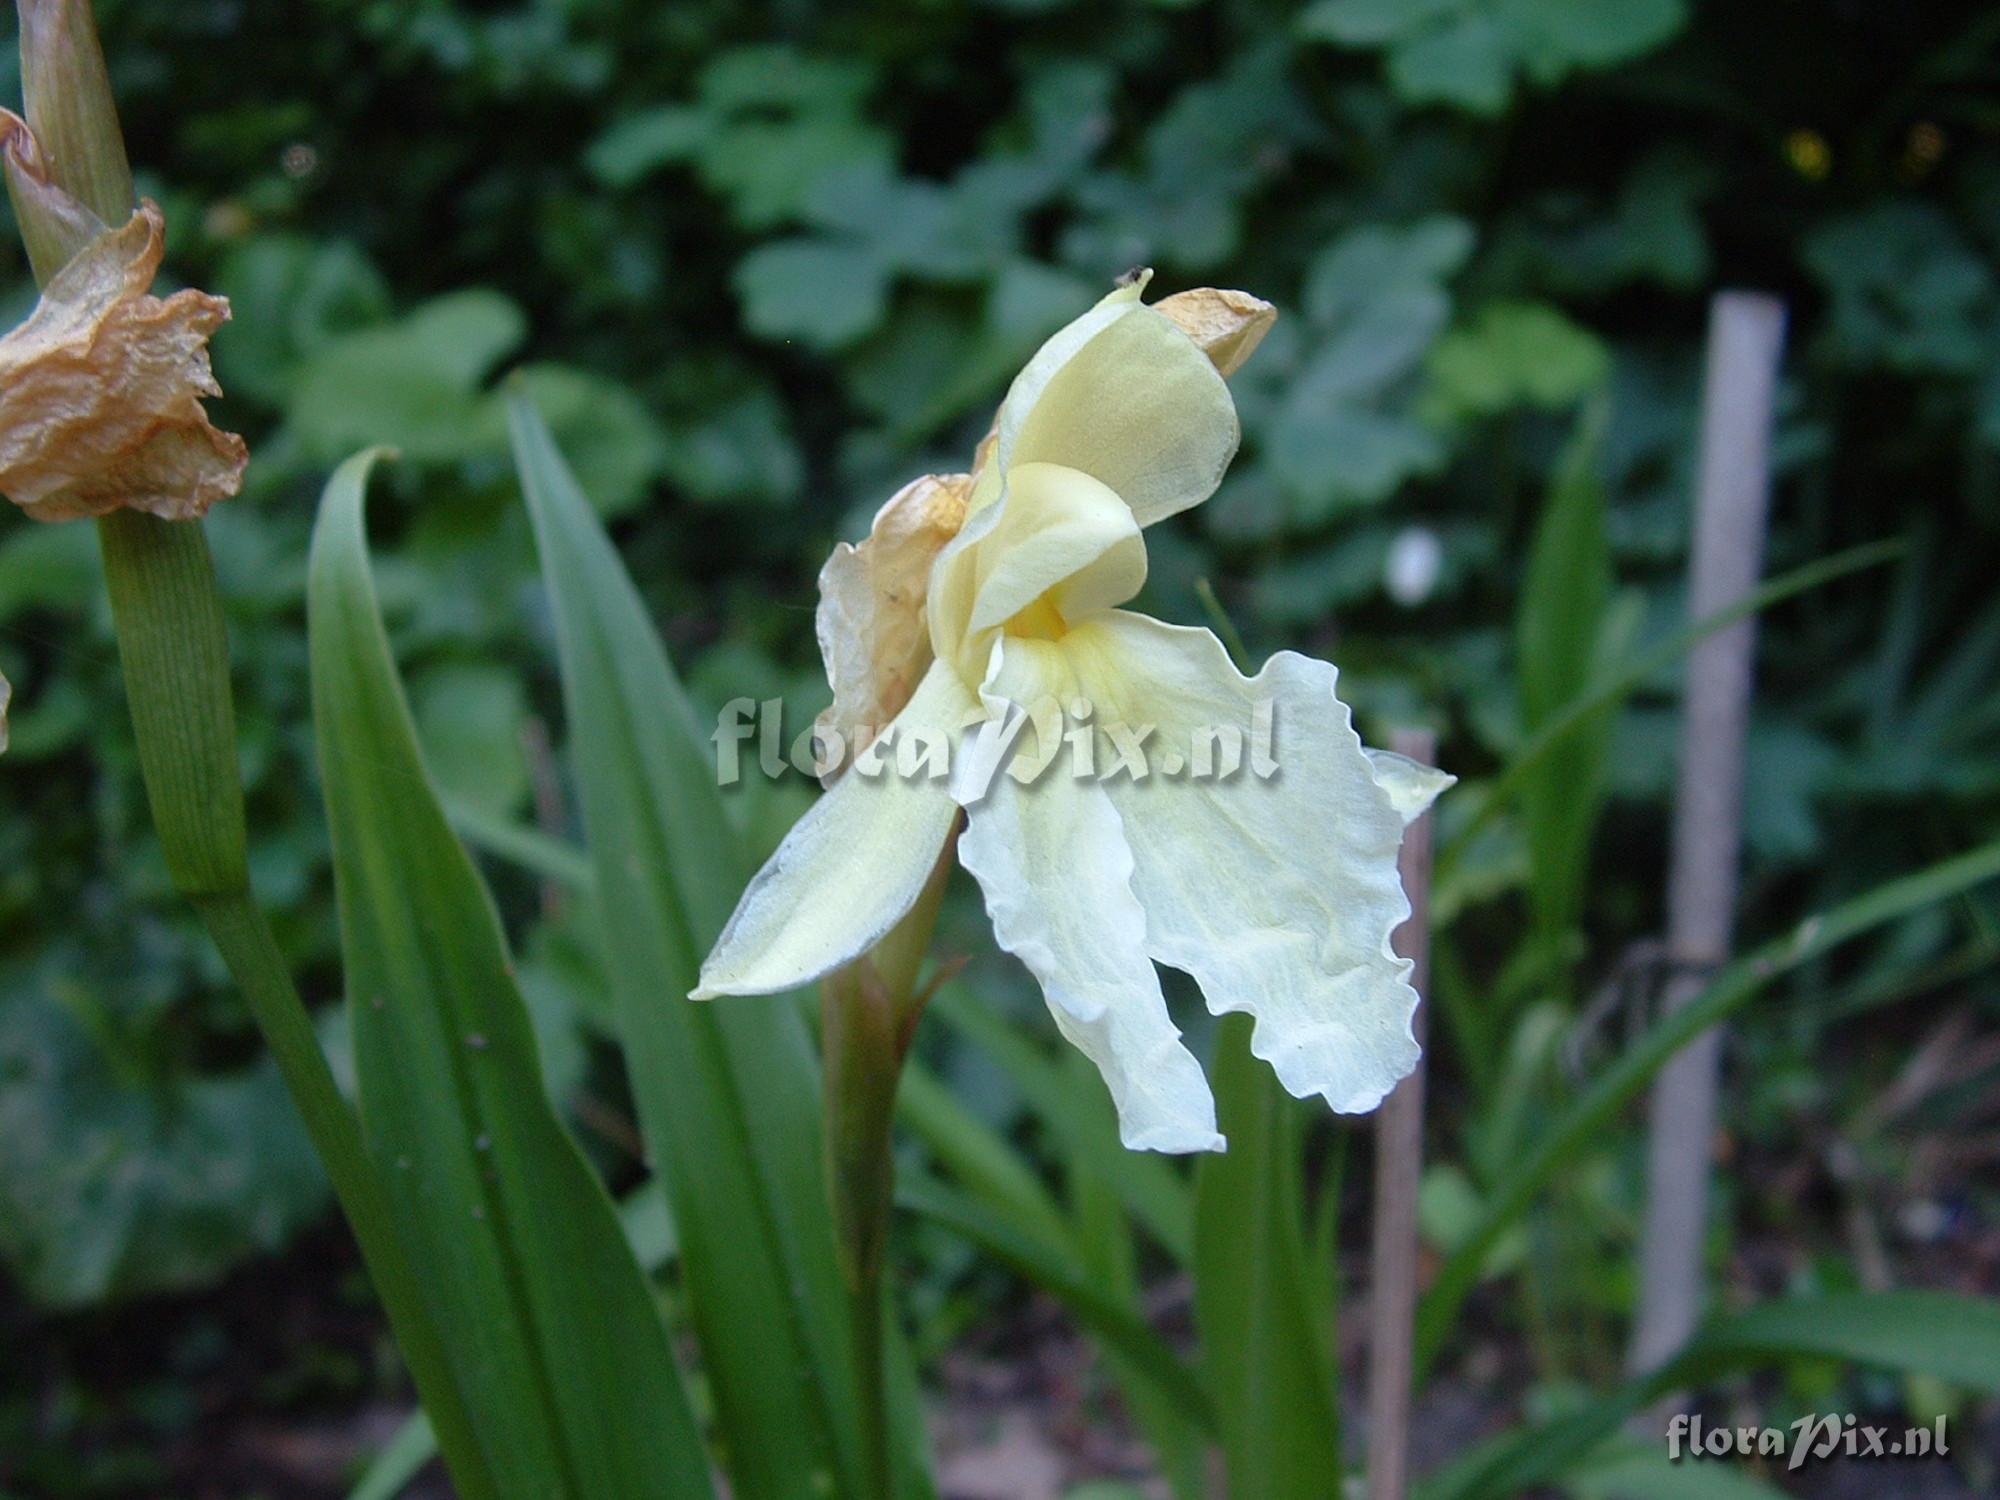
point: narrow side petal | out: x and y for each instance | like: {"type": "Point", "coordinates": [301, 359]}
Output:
{"type": "Point", "coordinates": [848, 870]}
{"type": "Point", "coordinates": [1276, 892]}
{"type": "Point", "coordinates": [1052, 861]}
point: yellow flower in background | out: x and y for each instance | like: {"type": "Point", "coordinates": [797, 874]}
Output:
{"type": "Point", "coordinates": [1100, 841]}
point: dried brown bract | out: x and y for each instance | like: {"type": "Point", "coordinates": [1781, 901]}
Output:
{"type": "Point", "coordinates": [1228, 326]}
{"type": "Point", "coordinates": [101, 388]}
{"type": "Point", "coordinates": [872, 629]}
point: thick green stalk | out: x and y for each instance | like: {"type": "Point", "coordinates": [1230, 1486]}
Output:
{"type": "Point", "coordinates": [174, 650]}
{"type": "Point", "coordinates": [867, 1013]}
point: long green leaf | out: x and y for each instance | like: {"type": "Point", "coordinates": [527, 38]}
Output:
{"type": "Point", "coordinates": [1585, 710]}
{"type": "Point", "coordinates": [1580, 1127]}
{"type": "Point", "coordinates": [549, 1321]}
{"type": "Point", "coordinates": [1265, 1349]}
{"type": "Point", "coordinates": [1099, 1249]}
{"type": "Point", "coordinates": [727, 1093]}
{"type": "Point", "coordinates": [1559, 641]}
{"type": "Point", "coordinates": [1152, 1190]}
{"type": "Point", "coordinates": [1104, 1313]}
{"type": "Point", "coordinates": [1916, 1332]}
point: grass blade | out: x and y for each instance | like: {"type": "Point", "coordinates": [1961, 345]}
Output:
{"type": "Point", "coordinates": [1559, 640]}
{"type": "Point", "coordinates": [728, 1093]}
{"type": "Point", "coordinates": [1151, 1188]}
{"type": "Point", "coordinates": [1265, 1348]}
{"type": "Point", "coordinates": [1103, 1313]}
{"type": "Point", "coordinates": [1583, 711]}
{"type": "Point", "coordinates": [1941, 1334]}
{"type": "Point", "coordinates": [546, 1316]}
{"type": "Point", "coordinates": [1579, 1128]}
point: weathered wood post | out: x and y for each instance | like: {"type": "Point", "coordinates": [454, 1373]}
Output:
{"type": "Point", "coordinates": [1745, 336]}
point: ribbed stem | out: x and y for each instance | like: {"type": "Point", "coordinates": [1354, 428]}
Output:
{"type": "Point", "coordinates": [173, 646]}
{"type": "Point", "coordinates": [867, 1012]}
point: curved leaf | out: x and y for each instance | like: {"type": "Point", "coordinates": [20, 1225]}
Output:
{"type": "Point", "coordinates": [545, 1315]}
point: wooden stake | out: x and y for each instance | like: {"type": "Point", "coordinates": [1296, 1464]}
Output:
{"type": "Point", "coordinates": [1399, 1163]}
{"type": "Point", "coordinates": [1745, 336]}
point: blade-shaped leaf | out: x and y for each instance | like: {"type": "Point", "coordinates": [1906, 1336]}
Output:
{"type": "Point", "coordinates": [1559, 631]}
{"type": "Point", "coordinates": [1152, 1189]}
{"type": "Point", "coordinates": [1916, 1332]}
{"type": "Point", "coordinates": [546, 1316]}
{"type": "Point", "coordinates": [1104, 1312]}
{"type": "Point", "coordinates": [1580, 1126]}
{"type": "Point", "coordinates": [1265, 1346]}
{"type": "Point", "coordinates": [728, 1093]}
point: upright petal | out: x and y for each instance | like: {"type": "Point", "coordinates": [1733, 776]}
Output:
{"type": "Point", "coordinates": [1277, 893]}
{"type": "Point", "coordinates": [849, 869]}
{"type": "Point", "coordinates": [1052, 861]}
{"type": "Point", "coordinates": [1138, 407]}
{"type": "Point", "coordinates": [1061, 534]}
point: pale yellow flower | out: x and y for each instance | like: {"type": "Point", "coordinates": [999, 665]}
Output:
{"type": "Point", "coordinates": [1275, 887]}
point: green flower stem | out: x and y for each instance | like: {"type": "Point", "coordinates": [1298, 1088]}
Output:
{"type": "Point", "coordinates": [868, 1011]}
{"type": "Point", "coordinates": [173, 647]}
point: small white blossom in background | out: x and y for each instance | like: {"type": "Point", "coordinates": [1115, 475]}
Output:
{"type": "Point", "coordinates": [1277, 894]}
{"type": "Point", "coordinates": [1411, 570]}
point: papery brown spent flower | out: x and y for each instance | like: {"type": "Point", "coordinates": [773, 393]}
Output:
{"type": "Point", "coordinates": [101, 387]}
{"type": "Point", "coordinates": [872, 631]}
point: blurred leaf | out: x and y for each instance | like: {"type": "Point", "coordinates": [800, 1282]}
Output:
{"type": "Point", "coordinates": [1642, 1471]}
{"type": "Point", "coordinates": [1907, 290]}
{"type": "Point", "coordinates": [573, 1389]}
{"type": "Point", "coordinates": [727, 1094]}
{"type": "Point", "coordinates": [739, 449]}
{"type": "Point", "coordinates": [1932, 1333]}
{"type": "Point", "coordinates": [621, 447]}
{"type": "Point", "coordinates": [1470, 52]}
{"type": "Point", "coordinates": [113, 1187]}
{"type": "Point", "coordinates": [821, 291]}
{"type": "Point", "coordinates": [288, 297]}
{"type": "Point", "coordinates": [469, 719]}
{"type": "Point", "coordinates": [1514, 353]}
{"type": "Point", "coordinates": [411, 384]}
{"type": "Point", "coordinates": [1559, 646]}
{"type": "Point", "coordinates": [1345, 433]}
{"type": "Point", "coordinates": [1104, 1314]}
{"type": "Point", "coordinates": [1578, 1129]}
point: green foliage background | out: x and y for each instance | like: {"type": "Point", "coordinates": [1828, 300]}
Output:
{"type": "Point", "coordinates": [765, 263]}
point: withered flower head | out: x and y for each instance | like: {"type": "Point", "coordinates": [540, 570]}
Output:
{"type": "Point", "coordinates": [101, 387]}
